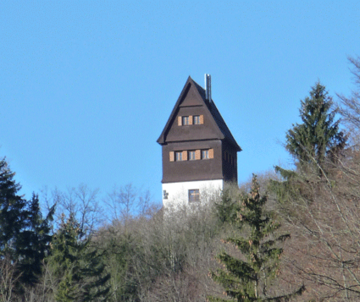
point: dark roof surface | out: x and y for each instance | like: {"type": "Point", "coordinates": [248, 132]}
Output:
{"type": "Point", "coordinates": [211, 107]}
{"type": "Point", "coordinates": [217, 117]}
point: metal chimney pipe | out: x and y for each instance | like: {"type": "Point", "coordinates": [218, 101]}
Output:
{"type": "Point", "coordinates": [208, 87]}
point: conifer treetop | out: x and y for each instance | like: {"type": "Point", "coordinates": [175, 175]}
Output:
{"type": "Point", "coordinates": [318, 135]}
{"type": "Point", "coordinates": [250, 279]}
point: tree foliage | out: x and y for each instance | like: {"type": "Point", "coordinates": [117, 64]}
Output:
{"type": "Point", "coordinates": [24, 234]}
{"type": "Point", "coordinates": [12, 211]}
{"type": "Point", "coordinates": [250, 278]}
{"type": "Point", "coordinates": [34, 242]}
{"type": "Point", "coordinates": [316, 144]}
{"type": "Point", "coordinates": [78, 271]}
{"type": "Point", "coordinates": [318, 136]}
{"type": "Point", "coordinates": [349, 107]}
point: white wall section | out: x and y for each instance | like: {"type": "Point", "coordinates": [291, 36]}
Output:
{"type": "Point", "coordinates": [178, 192]}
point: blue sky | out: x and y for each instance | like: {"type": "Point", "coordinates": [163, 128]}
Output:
{"type": "Point", "coordinates": [87, 86]}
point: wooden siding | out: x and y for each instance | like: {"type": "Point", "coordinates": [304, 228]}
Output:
{"type": "Point", "coordinates": [191, 170]}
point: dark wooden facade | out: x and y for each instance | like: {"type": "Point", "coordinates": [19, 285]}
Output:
{"type": "Point", "coordinates": [195, 126]}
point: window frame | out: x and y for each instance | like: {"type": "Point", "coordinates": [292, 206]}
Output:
{"type": "Point", "coordinates": [185, 120]}
{"type": "Point", "coordinates": [196, 119]}
{"type": "Point", "coordinates": [206, 152]}
{"type": "Point", "coordinates": [192, 155]}
{"type": "Point", "coordinates": [178, 156]}
{"type": "Point", "coordinates": [194, 195]}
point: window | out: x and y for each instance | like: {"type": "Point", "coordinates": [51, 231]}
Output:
{"type": "Point", "coordinates": [194, 195]}
{"type": "Point", "coordinates": [191, 155]}
{"type": "Point", "coordinates": [196, 119]}
{"type": "Point", "coordinates": [178, 156]}
{"type": "Point", "coordinates": [204, 154]}
{"type": "Point", "coordinates": [190, 120]}
{"type": "Point", "coordinates": [185, 120]}
{"type": "Point", "coordinates": [207, 154]}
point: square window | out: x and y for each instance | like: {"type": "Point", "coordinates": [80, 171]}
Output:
{"type": "Point", "coordinates": [191, 155]}
{"type": "Point", "coordinates": [185, 120]}
{"type": "Point", "coordinates": [204, 154]}
{"type": "Point", "coordinates": [178, 156]}
{"type": "Point", "coordinates": [196, 119]}
{"type": "Point", "coordinates": [194, 195]}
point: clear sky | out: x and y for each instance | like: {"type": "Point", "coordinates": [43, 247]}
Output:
{"type": "Point", "coordinates": [87, 86]}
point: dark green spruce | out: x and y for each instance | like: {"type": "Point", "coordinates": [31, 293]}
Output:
{"type": "Point", "coordinates": [318, 137]}
{"type": "Point", "coordinates": [33, 242]}
{"type": "Point", "coordinates": [250, 279]}
{"type": "Point", "coordinates": [77, 269]}
{"type": "Point", "coordinates": [24, 235]}
{"type": "Point", "coordinates": [316, 145]}
{"type": "Point", "coordinates": [12, 212]}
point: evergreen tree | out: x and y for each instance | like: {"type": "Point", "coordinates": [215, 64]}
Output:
{"type": "Point", "coordinates": [78, 270]}
{"type": "Point", "coordinates": [250, 279]}
{"type": "Point", "coordinates": [226, 208]}
{"type": "Point", "coordinates": [120, 250]}
{"type": "Point", "coordinates": [33, 243]}
{"type": "Point", "coordinates": [12, 212]}
{"type": "Point", "coordinates": [24, 235]}
{"type": "Point", "coordinates": [318, 136]}
{"type": "Point", "coordinates": [314, 144]}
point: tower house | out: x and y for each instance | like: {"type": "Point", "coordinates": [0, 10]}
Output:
{"type": "Point", "coordinates": [199, 152]}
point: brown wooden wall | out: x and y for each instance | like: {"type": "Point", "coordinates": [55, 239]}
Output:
{"type": "Point", "coordinates": [204, 131]}
{"type": "Point", "coordinates": [229, 167]}
{"type": "Point", "coordinates": [190, 170]}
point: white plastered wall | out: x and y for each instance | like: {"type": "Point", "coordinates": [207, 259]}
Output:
{"type": "Point", "coordinates": [178, 192]}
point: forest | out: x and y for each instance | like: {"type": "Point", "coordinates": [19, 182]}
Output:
{"type": "Point", "coordinates": [285, 235]}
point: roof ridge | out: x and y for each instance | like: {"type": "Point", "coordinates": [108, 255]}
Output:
{"type": "Point", "coordinates": [217, 117]}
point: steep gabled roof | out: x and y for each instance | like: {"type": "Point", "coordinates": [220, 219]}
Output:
{"type": "Point", "coordinates": [224, 131]}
